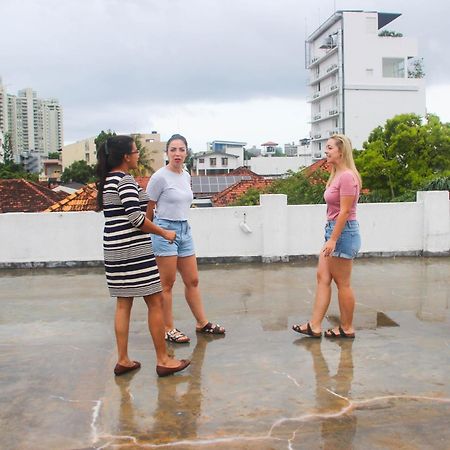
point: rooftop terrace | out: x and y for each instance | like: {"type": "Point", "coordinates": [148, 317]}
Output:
{"type": "Point", "coordinates": [260, 387]}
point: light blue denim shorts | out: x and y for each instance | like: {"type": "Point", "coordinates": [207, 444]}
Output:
{"type": "Point", "coordinates": [349, 242]}
{"type": "Point", "coordinates": [183, 244]}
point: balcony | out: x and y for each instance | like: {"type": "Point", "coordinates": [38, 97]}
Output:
{"type": "Point", "coordinates": [319, 59]}
{"type": "Point", "coordinates": [331, 68]}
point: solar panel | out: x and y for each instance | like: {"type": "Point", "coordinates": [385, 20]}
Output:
{"type": "Point", "coordinates": [212, 184]}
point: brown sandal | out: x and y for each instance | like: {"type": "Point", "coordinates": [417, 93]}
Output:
{"type": "Point", "coordinates": [176, 336]}
{"type": "Point", "coordinates": [309, 332]}
{"type": "Point", "coordinates": [330, 334]}
{"type": "Point", "coordinates": [211, 328]}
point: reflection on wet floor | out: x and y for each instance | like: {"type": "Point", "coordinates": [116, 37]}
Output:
{"type": "Point", "coordinates": [260, 387]}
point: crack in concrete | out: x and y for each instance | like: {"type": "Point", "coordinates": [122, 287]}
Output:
{"type": "Point", "coordinates": [352, 405]}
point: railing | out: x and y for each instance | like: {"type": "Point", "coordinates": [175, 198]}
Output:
{"type": "Point", "coordinates": [332, 67]}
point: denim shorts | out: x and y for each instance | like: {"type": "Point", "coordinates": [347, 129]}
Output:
{"type": "Point", "coordinates": [183, 244]}
{"type": "Point", "coordinates": [349, 242]}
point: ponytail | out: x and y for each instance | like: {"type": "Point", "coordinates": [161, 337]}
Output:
{"type": "Point", "coordinates": [109, 155]}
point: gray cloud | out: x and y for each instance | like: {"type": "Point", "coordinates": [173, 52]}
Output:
{"type": "Point", "coordinates": [95, 55]}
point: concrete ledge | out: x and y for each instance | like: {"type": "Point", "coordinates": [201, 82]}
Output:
{"type": "Point", "coordinates": [222, 260]}
{"type": "Point", "coordinates": [49, 264]}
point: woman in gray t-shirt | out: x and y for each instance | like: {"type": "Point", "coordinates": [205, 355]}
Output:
{"type": "Point", "coordinates": [171, 196]}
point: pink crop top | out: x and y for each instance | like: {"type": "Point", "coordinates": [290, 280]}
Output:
{"type": "Point", "coordinates": [344, 184]}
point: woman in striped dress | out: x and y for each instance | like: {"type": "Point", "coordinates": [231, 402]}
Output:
{"type": "Point", "coordinates": [129, 261]}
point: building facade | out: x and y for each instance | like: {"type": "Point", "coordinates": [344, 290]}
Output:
{"type": "Point", "coordinates": [154, 149]}
{"type": "Point", "coordinates": [34, 124]}
{"type": "Point", "coordinates": [231, 147]}
{"type": "Point", "coordinates": [83, 150]}
{"type": "Point", "coordinates": [214, 163]}
{"type": "Point", "coordinates": [360, 77]}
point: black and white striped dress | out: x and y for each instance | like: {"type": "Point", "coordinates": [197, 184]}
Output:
{"type": "Point", "coordinates": [130, 265]}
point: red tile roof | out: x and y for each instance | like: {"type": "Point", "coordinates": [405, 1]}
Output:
{"type": "Point", "coordinates": [269, 144]}
{"type": "Point", "coordinates": [245, 171]}
{"type": "Point", "coordinates": [19, 195]}
{"type": "Point", "coordinates": [321, 164]}
{"type": "Point", "coordinates": [85, 199]}
{"type": "Point", "coordinates": [231, 194]}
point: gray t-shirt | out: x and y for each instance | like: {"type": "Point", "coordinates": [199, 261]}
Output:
{"type": "Point", "coordinates": [172, 193]}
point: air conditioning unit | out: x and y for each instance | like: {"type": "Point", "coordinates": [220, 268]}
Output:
{"type": "Point", "coordinates": [317, 117]}
{"type": "Point", "coordinates": [332, 112]}
{"type": "Point", "coordinates": [333, 87]}
{"type": "Point", "coordinates": [317, 136]}
{"type": "Point", "coordinates": [317, 94]}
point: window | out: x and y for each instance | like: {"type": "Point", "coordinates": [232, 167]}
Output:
{"type": "Point", "coordinates": [393, 67]}
{"type": "Point", "coordinates": [201, 160]}
{"type": "Point", "coordinates": [224, 161]}
{"type": "Point", "coordinates": [87, 158]}
{"type": "Point", "coordinates": [212, 161]}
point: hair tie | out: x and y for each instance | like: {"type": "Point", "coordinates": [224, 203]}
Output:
{"type": "Point", "coordinates": [106, 147]}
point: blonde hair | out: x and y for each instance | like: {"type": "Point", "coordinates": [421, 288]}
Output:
{"type": "Point", "coordinates": [344, 144]}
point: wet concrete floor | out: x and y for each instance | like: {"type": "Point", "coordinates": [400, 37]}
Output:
{"type": "Point", "coordinates": [261, 387]}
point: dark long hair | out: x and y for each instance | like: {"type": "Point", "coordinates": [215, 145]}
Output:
{"type": "Point", "coordinates": [175, 137]}
{"type": "Point", "coordinates": [109, 155]}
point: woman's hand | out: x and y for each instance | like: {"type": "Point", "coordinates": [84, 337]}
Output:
{"type": "Point", "coordinates": [329, 247]}
{"type": "Point", "coordinates": [170, 235]}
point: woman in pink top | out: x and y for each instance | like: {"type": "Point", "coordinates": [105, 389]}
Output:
{"type": "Point", "coordinates": [342, 242]}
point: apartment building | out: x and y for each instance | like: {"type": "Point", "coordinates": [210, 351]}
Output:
{"type": "Point", "coordinates": [360, 76]}
{"type": "Point", "coordinates": [34, 124]}
{"type": "Point", "coordinates": [85, 150]}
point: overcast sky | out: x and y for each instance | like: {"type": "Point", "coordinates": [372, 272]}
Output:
{"type": "Point", "coordinates": [210, 69]}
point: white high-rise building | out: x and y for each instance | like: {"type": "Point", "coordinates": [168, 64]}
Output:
{"type": "Point", "coordinates": [34, 124]}
{"type": "Point", "coordinates": [360, 76]}
{"type": "Point", "coordinates": [3, 108]}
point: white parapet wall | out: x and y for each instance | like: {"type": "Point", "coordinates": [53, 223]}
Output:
{"type": "Point", "coordinates": [272, 231]}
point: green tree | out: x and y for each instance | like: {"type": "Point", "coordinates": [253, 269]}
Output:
{"type": "Point", "coordinates": [6, 149]}
{"type": "Point", "coordinates": [53, 155]}
{"type": "Point", "coordinates": [78, 171]}
{"type": "Point", "coordinates": [16, 171]}
{"type": "Point", "coordinates": [144, 165]}
{"type": "Point", "coordinates": [299, 188]}
{"type": "Point", "coordinates": [189, 161]}
{"type": "Point", "coordinates": [102, 136]}
{"type": "Point", "coordinates": [401, 156]}
{"type": "Point", "coordinates": [416, 70]}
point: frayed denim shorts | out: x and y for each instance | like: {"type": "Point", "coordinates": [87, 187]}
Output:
{"type": "Point", "coordinates": [183, 244]}
{"type": "Point", "coordinates": [349, 242]}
